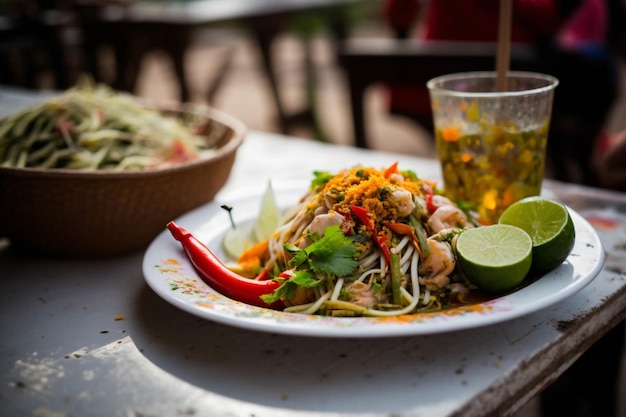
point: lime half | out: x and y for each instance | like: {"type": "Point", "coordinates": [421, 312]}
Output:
{"type": "Point", "coordinates": [495, 258]}
{"type": "Point", "coordinates": [549, 225]}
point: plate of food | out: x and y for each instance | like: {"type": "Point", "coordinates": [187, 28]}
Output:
{"type": "Point", "coordinates": [364, 252]}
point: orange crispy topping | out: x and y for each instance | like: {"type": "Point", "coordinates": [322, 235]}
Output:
{"type": "Point", "coordinates": [369, 188]}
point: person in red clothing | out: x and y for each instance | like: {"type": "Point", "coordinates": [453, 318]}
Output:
{"type": "Point", "coordinates": [610, 160]}
{"type": "Point", "coordinates": [534, 22]}
{"type": "Point", "coordinates": [574, 42]}
{"type": "Point", "coordinates": [579, 42]}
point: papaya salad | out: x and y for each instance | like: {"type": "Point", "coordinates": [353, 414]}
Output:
{"type": "Point", "coordinates": [93, 127]}
{"type": "Point", "coordinates": [362, 242]}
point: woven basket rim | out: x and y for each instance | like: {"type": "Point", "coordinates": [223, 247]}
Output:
{"type": "Point", "coordinates": [238, 128]}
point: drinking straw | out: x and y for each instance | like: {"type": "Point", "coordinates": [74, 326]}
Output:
{"type": "Point", "coordinates": [504, 43]}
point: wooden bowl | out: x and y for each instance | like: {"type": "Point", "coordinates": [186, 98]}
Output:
{"type": "Point", "coordinates": [96, 213]}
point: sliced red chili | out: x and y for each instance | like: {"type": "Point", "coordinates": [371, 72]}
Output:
{"type": "Point", "coordinates": [392, 169]}
{"type": "Point", "coordinates": [407, 230]}
{"type": "Point", "coordinates": [428, 196]}
{"type": "Point", "coordinates": [381, 240]}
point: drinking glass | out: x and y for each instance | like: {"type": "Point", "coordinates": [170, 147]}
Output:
{"type": "Point", "coordinates": [491, 143]}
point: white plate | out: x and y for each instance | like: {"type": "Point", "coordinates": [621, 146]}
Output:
{"type": "Point", "coordinates": [170, 274]}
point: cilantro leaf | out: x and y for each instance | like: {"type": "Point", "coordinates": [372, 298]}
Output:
{"type": "Point", "coordinates": [333, 254]}
{"type": "Point", "coordinates": [408, 173]}
{"type": "Point", "coordinates": [321, 178]}
{"type": "Point", "coordinates": [289, 286]}
{"type": "Point", "coordinates": [330, 255]}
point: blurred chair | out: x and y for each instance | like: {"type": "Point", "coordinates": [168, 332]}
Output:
{"type": "Point", "coordinates": [97, 35]}
{"type": "Point", "coordinates": [68, 38]}
{"type": "Point", "coordinates": [402, 63]}
{"type": "Point", "coordinates": [398, 61]}
{"type": "Point", "coordinates": [36, 37]}
{"type": "Point", "coordinates": [106, 23]}
{"type": "Point", "coordinates": [135, 29]}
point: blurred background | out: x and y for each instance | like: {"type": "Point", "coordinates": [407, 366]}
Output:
{"type": "Point", "coordinates": [48, 45]}
{"type": "Point", "coordinates": [274, 63]}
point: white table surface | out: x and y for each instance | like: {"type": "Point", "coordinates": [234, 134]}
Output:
{"type": "Point", "coordinates": [90, 338]}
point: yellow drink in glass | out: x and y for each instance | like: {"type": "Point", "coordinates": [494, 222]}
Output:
{"type": "Point", "coordinates": [491, 145]}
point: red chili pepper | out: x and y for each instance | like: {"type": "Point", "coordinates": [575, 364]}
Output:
{"type": "Point", "coordinates": [393, 168]}
{"type": "Point", "coordinates": [408, 230]}
{"type": "Point", "coordinates": [381, 240]}
{"type": "Point", "coordinates": [428, 191]}
{"type": "Point", "coordinates": [219, 277]}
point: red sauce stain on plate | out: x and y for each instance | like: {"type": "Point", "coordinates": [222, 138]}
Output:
{"type": "Point", "coordinates": [603, 222]}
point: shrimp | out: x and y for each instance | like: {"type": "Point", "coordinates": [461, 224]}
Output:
{"type": "Point", "coordinates": [404, 202]}
{"type": "Point", "coordinates": [363, 294]}
{"type": "Point", "coordinates": [440, 200]}
{"type": "Point", "coordinates": [449, 235]}
{"type": "Point", "coordinates": [447, 216]}
{"type": "Point", "coordinates": [320, 223]}
{"type": "Point", "coordinates": [438, 265]}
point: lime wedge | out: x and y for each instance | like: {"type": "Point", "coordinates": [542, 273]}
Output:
{"type": "Point", "coordinates": [550, 227]}
{"type": "Point", "coordinates": [495, 258]}
{"type": "Point", "coordinates": [243, 237]}
{"type": "Point", "coordinates": [269, 215]}
{"type": "Point", "coordinates": [236, 241]}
